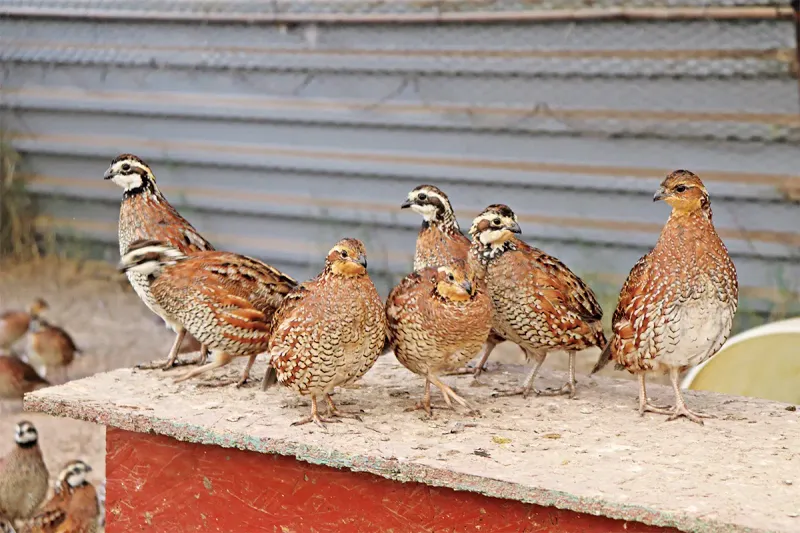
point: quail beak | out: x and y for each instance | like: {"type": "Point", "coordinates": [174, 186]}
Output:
{"type": "Point", "coordinates": [514, 228]}
{"type": "Point", "coordinates": [121, 267]}
{"type": "Point", "coordinates": [109, 173]}
{"type": "Point", "coordinates": [467, 286]}
{"type": "Point", "coordinates": [406, 204]}
{"type": "Point", "coordinates": [660, 194]}
{"type": "Point", "coordinates": [362, 260]}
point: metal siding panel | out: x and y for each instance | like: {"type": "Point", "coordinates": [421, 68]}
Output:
{"type": "Point", "coordinates": [278, 140]}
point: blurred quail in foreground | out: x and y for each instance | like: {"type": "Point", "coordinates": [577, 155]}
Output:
{"type": "Point", "coordinates": [73, 507]}
{"type": "Point", "coordinates": [440, 242]}
{"type": "Point", "coordinates": [538, 302]}
{"type": "Point", "coordinates": [23, 475]}
{"type": "Point", "coordinates": [330, 330]}
{"type": "Point", "coordinates": [14, 324]}
{"type": "Point", "coordinates": [50, 347]}
{"type": "Point", "coordinates": [225, 300]}
{"type": "Point", "coordinates": [18, 377]}
{"type": "Point", "coordinates": [676, 308]}
{"type": "Point", "coordinates": [438, 318]}
{"type": "Point", "coordinates": [145, 214]}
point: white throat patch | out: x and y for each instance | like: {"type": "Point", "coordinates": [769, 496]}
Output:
{"type": "Point", "coordinates": [128, 181]}
{"type": "Point", "coordinates": [428, 212]}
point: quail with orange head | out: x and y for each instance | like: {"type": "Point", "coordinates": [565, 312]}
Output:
{"type": "Point", "coordinates": [676, 308]}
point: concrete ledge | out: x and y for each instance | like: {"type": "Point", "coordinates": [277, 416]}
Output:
{"type": "Point", "coordinates": [594, 454]}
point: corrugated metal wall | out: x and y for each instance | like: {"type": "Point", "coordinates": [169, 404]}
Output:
{"type": "Point", "coordinates": [278, 127]}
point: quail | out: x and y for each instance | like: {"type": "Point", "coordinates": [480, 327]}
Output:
{"type": "Point", "coordinates": [330, 330]}
{"type": "Point", "coordinates": [438, 318]}
{"type": "Point", "coordinates": [18, 377]}
{"type": "Point", "coordinates": [23, 475]}
{"type": "Point", "coordinates": [50, 347]}
{"type": "Point", "coordinates": [145, 214]}
{"type": "Point", "coordinates": [73, 507]}
{"type": "Point", "coordinates": [440, 242]}
{"type": "Point", "coordinates": [538, 302]}
{"type": "Point", "coordinates": [6, 525]}
{"type": "Point", "coordinates": [14, 324]}
{"type": "Point", "coordinates": [223, 299]}
{"type": "Point", "coordinates": [676, 308]}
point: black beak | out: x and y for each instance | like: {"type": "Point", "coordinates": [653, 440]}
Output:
{"type": "Point", "coordinates": [660, 194]}
{"type": "Point", "coordinates": [514, 228]}
{"type": "Point", "coordinates": [406, 204]}
{"type": "Point", "coordinates": [109, 173]}
{"type": "Point", "coordinates": [467, 286]}
{"type": "Point", "coordinates": [121, 267]}
{"type": "Point", "coordinates": [362, 260]}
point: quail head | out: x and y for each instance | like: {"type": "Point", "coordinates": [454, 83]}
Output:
{"type": "Point", "coordinates": [14, 324]}
{"type": "Point", "coordinates": [330, 330]}
{"type": "Point", "coordinates": [676, 308]}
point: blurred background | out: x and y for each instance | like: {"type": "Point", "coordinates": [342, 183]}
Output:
{"type": "Point", "coordinates": [278, 127]}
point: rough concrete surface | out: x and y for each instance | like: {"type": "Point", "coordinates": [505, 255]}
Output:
{"type": "Point", "coordinates": [741, 472]}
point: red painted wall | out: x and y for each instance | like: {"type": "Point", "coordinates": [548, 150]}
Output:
{"type": "Point", "coordinates": [156, 483]}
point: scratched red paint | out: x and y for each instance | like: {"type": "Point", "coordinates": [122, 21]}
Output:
{"type": "Point", "coordinates": [156, 483]}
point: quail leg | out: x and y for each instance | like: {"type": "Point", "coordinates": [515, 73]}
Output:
{"type": "Point", "coordinates": [318, 420]}
{"type": "Point", "coordinates": [644, 402]}
{"type": "Point", "coordinates": [333, 411]}
{"type": "Point", "coordinates": [220, 359]}
{"type": "Point", "coordinates": [425, 403]}
{"type": "Point", "coordinates": [680, 405]}
{"type": "Point", "coordinates": [527, 386]}
{"type": "Point", "coordinates": [569, 387]}
{"type": "Point", "coordinates": [449, 393]}
{"type": "Point", "coordinates": [486, 351]}
{"type": "Point", "coordinates": [239, 382]}
{"type": "Point", "coordinates": [203, 355]}
{"type": "Point", "coordinates": [171, 361]}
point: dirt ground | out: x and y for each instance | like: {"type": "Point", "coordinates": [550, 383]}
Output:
{"type": "Point", "coordinates": [114, 329]}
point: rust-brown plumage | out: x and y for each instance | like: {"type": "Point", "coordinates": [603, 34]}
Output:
{"type": "Point", "coordinates": [538, 302]}
{"type": "Point", "coordinates": [225, 300]}
{"type": "Point", "coordinates": [18, 377]}
{"type": "Point", "coordinates": [50, 347]}
{"type": "Point", "coordinates": [145, 214]}
{"type": "Point", "coordinates": [677, 306]}
{"type": "Point", "coordinates": [14, 324]}
{"type": "Point", "coordinates": [440, 242]}
{"type": "Point", "coordinates": [438, 318]}
{"type": "Point", "coordinates": [23, 475]}
{"type": "Point", "coordinates": [330, 330]}
{"type": "Point", "coordinates": [73, 507]}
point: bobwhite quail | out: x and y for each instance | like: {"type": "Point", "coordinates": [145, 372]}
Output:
{"type": "Point", "coordinates": [676, 308]}
{"type": "Point", "coordinates": [14, 324]}
{"type": "Point", "coordinates": [73, 507]}
{"type": "Point", "coordinates": [440, 242]}
{"type": "Point", "coordinates": [438, 318]}
{"type": "Point", "coordinates": [225, 300]}
{"type": "Point", "coordinates": [17, 378]}
{"type": "Point", "coordinates": [23, 475]}
{"type": "Point", "coordinates": [50, 347]}
{"type": "Point", "coordinates": [538, 302]}
{"type": "Point", "coordinates": [145, 214]}
{"type": "Point", "coordinates": [330, 330]}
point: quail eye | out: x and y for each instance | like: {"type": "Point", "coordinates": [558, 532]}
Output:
{"type": "Point", "coordinates": [126, 167]}
{"type": "Point", "coordinates": [422, 196]}
{"type": "Point", "coordinates": [344, 253]}
{"type": "Point", "coordinates": [681, 188]}
{"type": "Point", "coordinates": [450, 277]}
{"type": "Point", "coordinates": [496, 222]}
